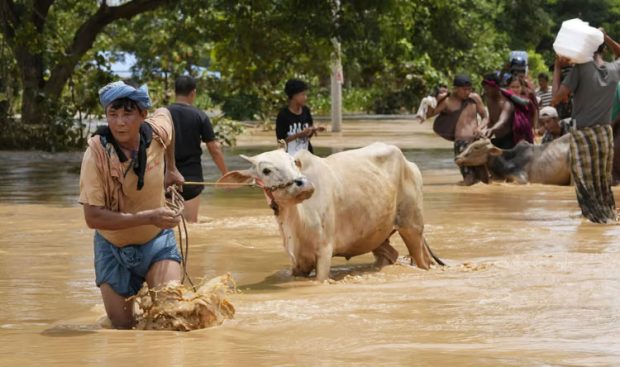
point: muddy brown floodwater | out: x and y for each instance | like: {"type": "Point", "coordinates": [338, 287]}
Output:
{"type": "Point", "coordinates": [528, 283]}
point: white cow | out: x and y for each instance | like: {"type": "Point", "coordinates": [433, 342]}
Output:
{"type": "Point", "coordinates": [347, 204]}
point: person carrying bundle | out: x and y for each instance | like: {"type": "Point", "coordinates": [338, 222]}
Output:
{"type": "Point", "coordinates": [593, 84]}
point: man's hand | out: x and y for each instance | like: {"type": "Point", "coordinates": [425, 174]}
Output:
{"type": "Point", "coordinates": [562, 62]}
{"type": "Point", "coordinates": [307, 132]}
{"type": "Point", "coordinates": [488, 133]}
{"type": "Point", "coordinates": [163, 218]}
{"type": "Point", "coordinates": [173, 177]}
{"type": "Point", "coordinates": [316, 130]}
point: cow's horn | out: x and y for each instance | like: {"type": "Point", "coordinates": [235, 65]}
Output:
{"type": "Point", "coordinates": [249, 159]}
{"type": "Point", "coordinates": [282, 145]}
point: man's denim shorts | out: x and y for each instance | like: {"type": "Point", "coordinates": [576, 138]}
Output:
{"type": "Point", "coordinates": [125, 268]}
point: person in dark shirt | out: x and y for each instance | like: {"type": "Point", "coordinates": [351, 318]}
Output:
{"type": "Point", "coordinates": [192, 126]}
{"type": "Point", "coordinates": [294, 124]}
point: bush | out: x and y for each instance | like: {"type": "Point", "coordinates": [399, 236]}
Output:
{"type": "Point", "coordinates": [241, 106]}
{"type": "Point", "coordinates": [61, 135]}
{"type": "Point", "coordinates": [227, 130]}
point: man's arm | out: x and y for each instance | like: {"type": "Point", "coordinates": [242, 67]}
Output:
{"type": "Point", "coordinates": [560, 91]}
{"type": "Point", "coordinates": [535, 109]}
{"type": "Point", "coordinates": [441, 105]}
{"type": "Point", "coordinates": [173, 176]}
{"type": "Point", "coordinates": [482, 111]}
{"type": "Point", "coordinates": [104, 219]}
{"type": "Point", "coordinates": [307, 132]}
{"type": "Point", "coordinates": [503, 121]}
{"type": "Point", "coordinates": [218, 157]}
{"type": "Point", "coordinates": [613, 45]}
{"type": "Point", "coordinates": [282, 133]}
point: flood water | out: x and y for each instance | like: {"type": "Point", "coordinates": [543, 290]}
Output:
{"type": "Point", "coordinates": [528, 283]}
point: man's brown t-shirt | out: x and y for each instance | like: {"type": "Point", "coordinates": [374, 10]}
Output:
{"type": "Point", "coordinates": [150, 197]}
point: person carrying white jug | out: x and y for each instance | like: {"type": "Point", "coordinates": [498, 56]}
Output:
{"type": "Point", "coordinates": [593, 84]}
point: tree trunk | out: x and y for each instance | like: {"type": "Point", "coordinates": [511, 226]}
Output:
{"type": "Point", "coordinates": [33, 100]}
{"type": "Point", "coordinates": [40, 95]}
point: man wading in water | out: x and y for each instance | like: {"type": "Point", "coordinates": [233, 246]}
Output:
{"type": "Point", "coordinates": [458, 122]}
{"type": "Point", "coordinates": [122, 190]}
{"type": "Point", "coordinates": [591, 145]}
{"type": "Point", "coordinates": [501, 114]}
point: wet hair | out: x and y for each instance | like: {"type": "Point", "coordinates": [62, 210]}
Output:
{"type": "Point", "coordinates": [435, 91]}
{"type": "Point", "coordinates": [184, 85]}
{"type": "Point", "coordinates": [492, 77]}
{"type": "Point", "coordinates": [543, 76]}
{"type": "Point", "coordinates": [294, 86]}
{"type": "Point", "coordinates": [462, 80]}
{"type": "Point", "coordinates": [124, 103]}
{"type": "Point", "coordinates": [521, 81]}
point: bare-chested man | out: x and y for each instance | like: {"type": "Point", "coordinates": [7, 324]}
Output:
{"type": "Point", "coordinates": [501, 114]}
{"type": "Point", "coordinates": [458, 121]}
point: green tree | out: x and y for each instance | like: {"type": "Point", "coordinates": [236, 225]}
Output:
{"type": "Point", "coordinates": [48, 38]}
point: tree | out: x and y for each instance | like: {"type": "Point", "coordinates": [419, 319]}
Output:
{"type": "Point", "coordinates": [31, 27]}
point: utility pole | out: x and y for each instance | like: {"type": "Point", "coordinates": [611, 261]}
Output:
{"type": "Point", "coordinates": [337, 78]}
{"type": "Point", "coordinates": [336, 88]}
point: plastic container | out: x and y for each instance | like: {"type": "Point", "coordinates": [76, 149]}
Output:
{"type": "Point", "coordinates": [577, 41]}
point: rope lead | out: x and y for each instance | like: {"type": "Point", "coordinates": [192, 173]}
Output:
{"type": "Point", "coordinates": [176, 204]}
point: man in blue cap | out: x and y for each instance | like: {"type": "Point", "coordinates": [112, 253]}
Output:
{"type": "Point", "coordinates": [124, 171]}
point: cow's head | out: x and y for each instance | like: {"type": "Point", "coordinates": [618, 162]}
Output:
{"type": "Point", "coordinates": [478, 153]}
{"type": "Point", "coordinates": [278, 172]}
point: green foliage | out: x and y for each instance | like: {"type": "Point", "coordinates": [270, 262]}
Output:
{"type": "Point", "coordinates": [393, 53]}
{"type": "Point", "coordinates": [354, 100]}
{"type": "Point", "coordinates": [227, 130]}
{"type": "Point", "coordinates": [537, 65]}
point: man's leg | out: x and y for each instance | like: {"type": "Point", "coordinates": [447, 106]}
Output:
{"type": "Point", "coordinates": [481, 173]}
{"type": "Point", "coordinates": [119, 310]}
{"type": "Point", "coordinates": [163, 272]}
{"type": "Point", "coordinates": [468, 173]}
{"type": "Point", "coordinates": [191, 209]}
{"type": "Point", "coordinates": [591, 161]}
{"type": "Point", "coordinates": [616, 158]}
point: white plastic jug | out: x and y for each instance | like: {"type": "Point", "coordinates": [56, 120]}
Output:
{"type": "Point", "coordinates": [577, 41]}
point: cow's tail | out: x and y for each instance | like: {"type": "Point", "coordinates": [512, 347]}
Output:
{"type": "Point", "coordinates": [437, 260]}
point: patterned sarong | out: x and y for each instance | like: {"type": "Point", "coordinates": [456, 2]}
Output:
{"type": "Point", "coordinates": [592, 154]}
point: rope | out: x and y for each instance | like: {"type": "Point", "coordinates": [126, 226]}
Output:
{"type": "Point", "coordinates": [176, 204]}
{"type": "Point", "coordinates": [254, 183]}
{"type": "Point", "coordinates": [218, 184]}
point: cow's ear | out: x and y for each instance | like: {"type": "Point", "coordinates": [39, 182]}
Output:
{"type": "Point", "coordinates": [236, 179]}
{"type": "Point", "coordinates": [495, 151]}
{"type": "Point", "coordinates": [248, 159]}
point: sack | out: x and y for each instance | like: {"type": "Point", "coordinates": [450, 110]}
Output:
{"type": "Point", "coordinates": [445, 126]}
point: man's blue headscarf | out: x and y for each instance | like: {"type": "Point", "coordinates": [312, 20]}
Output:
{"type": "Point", "coordinates": [116, 90]}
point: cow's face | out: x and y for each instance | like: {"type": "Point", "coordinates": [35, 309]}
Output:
{"type": "Point", "coordinates": [477, 153]}
{"type": "Point", "coordinates": [278, 172]}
